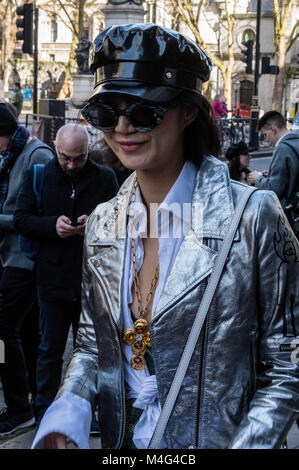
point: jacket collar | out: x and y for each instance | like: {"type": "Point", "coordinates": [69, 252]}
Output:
{"type": "Point", "coordinates": [212, 198]}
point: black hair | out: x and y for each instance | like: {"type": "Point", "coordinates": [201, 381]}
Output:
{"type": "Point", "coordinates": [232, 154]}
{"type": "Point", "coordinates": [272, 117]}
{"type": "Point", "coordinates": [234, 168]}
{"type": "Point", "coordinates": [201, 137]}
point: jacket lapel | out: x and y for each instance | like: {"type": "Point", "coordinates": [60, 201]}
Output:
{"type": "Point", "coordinates": [212, 212]}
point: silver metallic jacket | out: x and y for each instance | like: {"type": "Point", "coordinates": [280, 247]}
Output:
{"type": "Point", "coordinates": [242, 386]}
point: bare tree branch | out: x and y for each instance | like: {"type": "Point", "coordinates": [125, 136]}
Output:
{"type": "Point", "coordinates": [293, 35]}
{"type": "Point", "coordinates": [74, 29]}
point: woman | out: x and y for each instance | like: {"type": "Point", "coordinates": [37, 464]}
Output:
{"type": "Point", "coordinates": [238, 161]}
{"type": "Point", "coordinates": [219, 107]}
{"type": "Point", "coordinates": [148, 256]}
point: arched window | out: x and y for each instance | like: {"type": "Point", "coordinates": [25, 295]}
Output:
{"type": "Point", "coordinates": [248, 34]}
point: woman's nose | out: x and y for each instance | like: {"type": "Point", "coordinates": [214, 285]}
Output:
{"type": "Point", "coordinates": [124, 125]}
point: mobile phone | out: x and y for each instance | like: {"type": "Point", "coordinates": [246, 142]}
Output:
{"type": "Point", "coordinates": [75, 223]}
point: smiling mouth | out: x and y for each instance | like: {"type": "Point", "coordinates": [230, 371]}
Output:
{"type": "Point", "coordinates": [131, 146]}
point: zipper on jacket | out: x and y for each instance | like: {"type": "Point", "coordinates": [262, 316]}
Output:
{"type": "Point", "coordinates": [202, 343]}
{"type": "Point", "coordinates": [253, 336]}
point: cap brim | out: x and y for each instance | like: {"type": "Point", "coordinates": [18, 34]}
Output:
{"type": "Point", "coordinates": [252, 149]}
{"type": "Point", "coordinates": [158, 94]}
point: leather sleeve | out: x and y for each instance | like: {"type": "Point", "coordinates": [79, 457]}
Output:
{"type": "Point", "coordinates": [275, 403]}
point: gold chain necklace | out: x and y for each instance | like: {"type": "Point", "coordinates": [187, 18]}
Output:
{"type": "Point", "coordinates": [139, 337]}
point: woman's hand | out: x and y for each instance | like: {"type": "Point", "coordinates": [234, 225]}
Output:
{"type": "Point", "coordinates": [55, 440]}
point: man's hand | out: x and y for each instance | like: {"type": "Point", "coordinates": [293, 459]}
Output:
{"type": "Point", "coordinates": [55, 440]}
{"type": "Point", "coordinates": [253, 176]}
{"type": "Point", "coordinates": [81, 228]}
{"type": "Point", "coordinates": [64, 228]}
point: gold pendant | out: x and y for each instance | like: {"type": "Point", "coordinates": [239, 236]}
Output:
{"type": "Point", "coordinates": [139, 339]}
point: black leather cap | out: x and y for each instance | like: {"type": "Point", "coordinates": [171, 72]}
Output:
{"type": "Point", "coordinates": [147, 61]}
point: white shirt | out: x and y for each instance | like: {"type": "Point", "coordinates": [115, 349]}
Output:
{"type": "Point", "coordinates": [69, 408]}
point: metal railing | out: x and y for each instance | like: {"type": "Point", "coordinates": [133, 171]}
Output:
{"type": "Point", "coordinates": [45, 127]}
{"type": "Point", "coordinates": [234, 130]}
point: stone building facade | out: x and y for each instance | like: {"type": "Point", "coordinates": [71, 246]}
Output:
{"type": "Point", "coordinates": [55, 40]}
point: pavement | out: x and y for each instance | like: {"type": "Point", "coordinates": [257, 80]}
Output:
{"type": "Point", "coordinates": [23, 439]}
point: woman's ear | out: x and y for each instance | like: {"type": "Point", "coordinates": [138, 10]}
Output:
{"type": "Point", "coordinates": [189, 114]}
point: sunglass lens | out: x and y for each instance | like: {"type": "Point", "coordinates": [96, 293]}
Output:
{"type": "Point", "coordinates": [107, 119]}
{"type": "Point", "coordinates": [100, 116]}
{"type": "Point", "coordinates": [145, 117]}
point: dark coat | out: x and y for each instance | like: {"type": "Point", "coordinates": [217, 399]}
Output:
{"type": "Point", "coordinates": [283, 176]}
{"type": "Point", "coordinates": [59, 260]}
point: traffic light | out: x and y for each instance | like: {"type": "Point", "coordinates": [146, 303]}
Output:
{"type": "Point", "coordinates": [248, 54]}
{"type": "Point", "coordinates": [267, 68]}
{"type": "Point", "coordinates": [26, 23]}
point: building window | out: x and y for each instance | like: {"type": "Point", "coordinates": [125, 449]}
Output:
{"type": "Point", "coordinates": [53, 31]}
{"type": "Point", "coordinates": [52, 58]}
{"type": "Point", "coordinates": [247, 35]}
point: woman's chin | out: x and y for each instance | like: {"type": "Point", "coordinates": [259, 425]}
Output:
{"type": "Point", "coordinates": [134, 163]}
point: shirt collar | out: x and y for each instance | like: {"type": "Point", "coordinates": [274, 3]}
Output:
{"type": "Point", "coordinates": [177, 202]}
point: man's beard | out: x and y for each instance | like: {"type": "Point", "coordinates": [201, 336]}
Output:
{"type": "Point", "coordinates": [74, 172]}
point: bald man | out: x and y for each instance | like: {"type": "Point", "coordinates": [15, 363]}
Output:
{"type": "Point", "coordinates": [73, 187]}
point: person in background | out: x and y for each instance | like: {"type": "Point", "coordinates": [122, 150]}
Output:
{"type": "Point", "coordinates": [17, 99]}
{"type": "Point", "coordinates": [283, 174]}
{"type": "Point", "coordinates": [224, 105]}
{"type": "Point", "coordinates": [73, 186]}
{"type": "Point", "coordinates": [220, 110]}
{"type": "Point", "coordinates": [30, 333]}
{"type": "Point", "coordinates": [18, 282]}
{"type": "Point", "coordinates": [238, 156]}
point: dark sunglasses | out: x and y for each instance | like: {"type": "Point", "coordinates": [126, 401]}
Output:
{"type": "Point", "coordinates": [142, 115]}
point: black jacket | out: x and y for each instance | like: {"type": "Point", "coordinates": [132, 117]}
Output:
{"type": "Point", "coordinates": [59, 260]}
